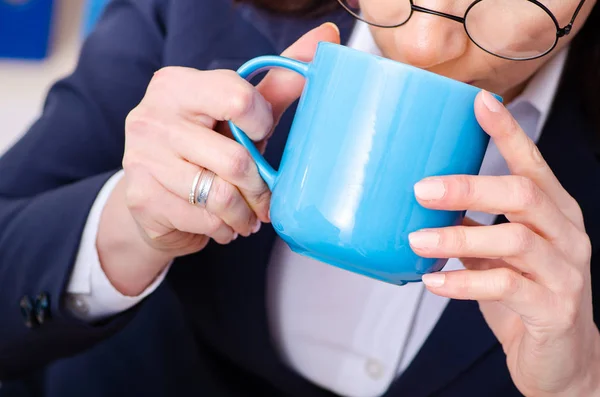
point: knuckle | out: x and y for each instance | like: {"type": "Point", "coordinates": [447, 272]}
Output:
{"type": "Point", "coordinates": [137, 123]}
{"type": "Point", "coordinates": [136, 198]}
{"type": "Point", "coordinates": [454, 239]}
{"type": "Point", "coordinates": [573, 211]}
{"type": "Point", "coordinates": [536, 156]}
{"type": "Point", "coordinates": [142, 125]}
{"type": "Point", "coordinates": [225, 73]}
{"type": "Point", "coordinates": [524, 238]}
{"type": "Point", "coordinates": [133, 161]}
{"type": "Point", "coordinates": [224, 195]}
{"type": "Point", "coordinates": [582, 248]}
{"type": "Point", "coordinates": [241, 102]}
{"type": "Point", "coordinates": [527, 193]}
{"type": "Point", "coordinates": [163, 77]}
{"type": "Point", "coordinates": [214, 224]}
{"type": "Point", "coordinates": [462, 286]}
{"type": "Point", "coordinates": [200, 242]}
{"type": "Point", "coordinates": [569, 315]}
{"type": "Point", "coordinates": [251, 220]}
{"type": "Point", "coordinates": [466, 187]}
{"type": "Point", "coordinates": [508, 282]}
{"type": "Point", "coordinates": [263, 199]}
{"type": "Point", "coordinates": [240, 163]}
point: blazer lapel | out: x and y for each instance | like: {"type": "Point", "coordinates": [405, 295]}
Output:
{"type": "Point", "coordinates": [458, 339]}
{"type": "Point", "coordinates": [566, 146]}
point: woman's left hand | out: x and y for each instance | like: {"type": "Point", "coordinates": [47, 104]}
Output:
{"type": "Point", "coordinates": [531, 276]}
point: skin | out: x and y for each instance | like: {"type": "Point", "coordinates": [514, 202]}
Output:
{"type": "Point", "coordinates": [531, 276]}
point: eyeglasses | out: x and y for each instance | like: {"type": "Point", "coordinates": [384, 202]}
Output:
{"type": "Point", "coordinates": [517, 30]}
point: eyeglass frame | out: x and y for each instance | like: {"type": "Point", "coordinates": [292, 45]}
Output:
{"type": "Point", "coordinates": [560, 32]}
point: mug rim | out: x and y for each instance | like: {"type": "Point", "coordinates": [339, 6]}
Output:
{"type": "Point", "coordinates": [457, 83]}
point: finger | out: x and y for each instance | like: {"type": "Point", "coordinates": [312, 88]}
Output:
{"type": "Point", "coordinates": [191, 219]}
{"type": "Point", "coordinates": [224, 199]}
{"type": "Point", "coordinates": [519, 198]}
{"type": "Point", "coordinates": [228, 159]}
{"type": "Point", "coordinates": [226, 202]}
{"type": "Point", "coordinates": [523, 296]}
{"type": "Point", "coordinates": [514, 243]}
{"type": "Point", "coordinates": [522, 155]}
{"type": "Point", "coordinates": [223, 234]}
{"type": "Point", "coordinates": [219, 94]}
{"type": "Point", "coordinates": [158, 210]}
{"type": "Point", "coordinates": [282, 87]}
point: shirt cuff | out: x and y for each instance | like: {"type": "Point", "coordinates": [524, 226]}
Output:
{"type": "Point", "coordinates": [90, 295]}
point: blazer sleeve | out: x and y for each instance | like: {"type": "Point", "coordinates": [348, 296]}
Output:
{"type": "Point", "coordinates": [50, 178]}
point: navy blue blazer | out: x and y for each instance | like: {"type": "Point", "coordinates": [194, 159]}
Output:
{"type": "Point", "coordinates": [204, 331]}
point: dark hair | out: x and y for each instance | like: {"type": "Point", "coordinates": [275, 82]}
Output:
{"type": "Point", "coordinates": [582, 69]}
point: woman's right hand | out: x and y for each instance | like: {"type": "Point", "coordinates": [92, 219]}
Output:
{"type": "Point", "coordinates": [177, 130]}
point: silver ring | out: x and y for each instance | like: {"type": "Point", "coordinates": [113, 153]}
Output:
{"type": "Point", "coordinates": [204, 186]}
{"type": "Point", "coordinates": [192, 196]}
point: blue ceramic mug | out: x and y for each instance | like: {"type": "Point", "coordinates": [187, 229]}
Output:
{"type": "Point", "coordinates": [365, 131]}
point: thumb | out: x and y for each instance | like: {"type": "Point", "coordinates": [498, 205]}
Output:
{"type": "Point", "coordinates": [282, 87]}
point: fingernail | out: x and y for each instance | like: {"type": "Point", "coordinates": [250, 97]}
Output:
{"type": "Point", "coordinates": [434, 279]}
{"type": "Point", "coordinates": [256, 227]}
{"type": "Point", "coordinates": [491, 102]}
{"type": "Point", "coordinates": [235, 235]}
{"type": "Point", "coordinates": [430, 189]}
{"type": "Point", "coordinates": [333, 25]}
{"type": "Point", "coordinates": [424, 239]}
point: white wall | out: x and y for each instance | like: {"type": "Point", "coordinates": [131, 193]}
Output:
{"type": "Point", "coordinates": [24, 84]}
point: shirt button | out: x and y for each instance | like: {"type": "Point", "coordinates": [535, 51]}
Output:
{"type": "Point", "coordinates": [374, 369]}
{"type": "Point", "coordinates": [77, 305]}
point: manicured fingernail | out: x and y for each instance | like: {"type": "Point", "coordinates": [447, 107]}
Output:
{"type": "Point", "coordinates": [430, 189]}
{"type": "Point", "coordinates": [434, 279]}
{"type": "Point", "coordinates": [235, 235]}
{"type": "Point", "coordinates": [491, 102]}
{"type": "Point", "coordinates": [424, 239]}
{"type": "Point", "coordinates": [256, 226]}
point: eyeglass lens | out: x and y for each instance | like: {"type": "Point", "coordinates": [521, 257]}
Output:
{"type": "Point", "coordinates": [516, 29]}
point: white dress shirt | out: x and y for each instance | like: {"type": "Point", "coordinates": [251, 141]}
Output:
{"type": "Point", "coordinates": [345, 332]}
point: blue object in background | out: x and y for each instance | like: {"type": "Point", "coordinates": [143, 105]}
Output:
{"type": "Point", "coordinates": [92, 13]}
{"type": "Point", "coordinates": [365, 131]}
{"type": "Point", "coordinates": [25, 28]}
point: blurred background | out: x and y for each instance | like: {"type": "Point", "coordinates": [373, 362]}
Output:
{"type": "Point", "coordinates": [39, 43]}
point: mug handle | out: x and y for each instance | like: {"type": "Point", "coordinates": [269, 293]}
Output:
{"type": "Point", "coordinates": [247, 71]}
